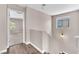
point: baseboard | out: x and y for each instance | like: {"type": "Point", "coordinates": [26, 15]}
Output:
{"type": "Point", "coordinates": [28, 43]}
{"type": "Point", "coordinates": [3, 51]}
{"type": "Point", "coordinates": [35, 46]}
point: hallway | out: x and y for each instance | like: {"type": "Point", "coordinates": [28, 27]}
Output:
{"type": "Point", "coordinates": [49, 28]}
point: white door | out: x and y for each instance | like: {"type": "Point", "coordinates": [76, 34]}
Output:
{"type": "Point", "coordinates": [15, 27]}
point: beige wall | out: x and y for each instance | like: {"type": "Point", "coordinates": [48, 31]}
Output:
{"type": "Point", "coordinates": [3, 24]}
{"type": "Point", "coordinates": [3, 27]}
{"type": "Point", "coordinates": [38, 21]}
{"type": "Point", "coordinates": [68, 44]}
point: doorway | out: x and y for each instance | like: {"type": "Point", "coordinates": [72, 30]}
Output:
{"type": "Point", "coordinates": [16, 27]}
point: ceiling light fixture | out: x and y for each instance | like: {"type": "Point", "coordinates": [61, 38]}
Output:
{"type": "Point", "coordinates": [43, 6]}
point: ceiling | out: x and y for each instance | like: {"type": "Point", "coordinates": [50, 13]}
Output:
{"type": "Point", "coordinates": [54, 9]}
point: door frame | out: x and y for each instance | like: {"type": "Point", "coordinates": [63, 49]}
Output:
{"type": "Point", "coordinates": [8, 19]}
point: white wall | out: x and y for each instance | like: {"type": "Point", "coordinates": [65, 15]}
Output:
{"type": "Point", "coordinates": [68, 44]}
{"type": "Point", "coordinates": [38, 21]}
{"type": "Point", "coordinates": [46, 40]}
{"type": "Point", "coordinates": [3, 27]}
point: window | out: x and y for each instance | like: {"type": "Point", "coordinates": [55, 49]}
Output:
{"type": "Point", "coordinates": [62, 22]}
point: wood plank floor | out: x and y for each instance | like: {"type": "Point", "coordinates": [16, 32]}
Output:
{"type": "Point", "coordinates": [22, 49]}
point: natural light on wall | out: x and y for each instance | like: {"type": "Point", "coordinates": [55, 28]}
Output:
{"type": "Point", "coordinates": [48, 25]}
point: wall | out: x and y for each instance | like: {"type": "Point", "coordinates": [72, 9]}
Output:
{"type": "Point", "coordinates": [3, 27]}
{"type": "Point", "coordinates": [68, 44]}
{"type": "Point", "coordinates": [36, 38]}
{"type": "Point", "coordinates": [37, 21]}
{"type": "Point", "coordinates": [46, 42]}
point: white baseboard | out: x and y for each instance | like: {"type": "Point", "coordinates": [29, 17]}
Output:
{"type": "Point", "coordinates": [34, 46]}
{"type": "Point", "coordinates": [28, 43]}
{"type": "Point", "coordinates": [3, 51]}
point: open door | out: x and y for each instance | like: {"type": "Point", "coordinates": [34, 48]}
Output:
{"type": "Point", "coordinates": [15, 27]}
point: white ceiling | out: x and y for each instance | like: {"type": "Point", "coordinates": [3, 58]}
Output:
{"type": "Point", "coordinates": [54, 9]}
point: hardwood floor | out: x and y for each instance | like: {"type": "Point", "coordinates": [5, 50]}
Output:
{"type": "Point", "coordinates": [22, 49]}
